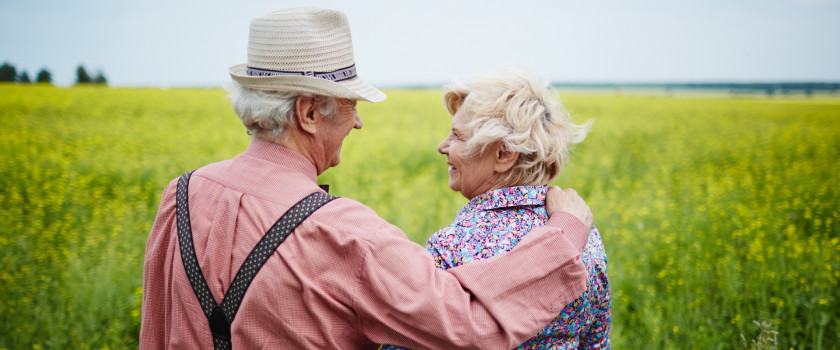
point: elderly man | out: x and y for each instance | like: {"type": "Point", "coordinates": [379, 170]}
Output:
{"type": "Point", "coordinates": [343, 278]}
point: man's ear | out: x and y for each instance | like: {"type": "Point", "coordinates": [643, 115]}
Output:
{"type": "Point", "coordinates": [505, 159]}
{"type": "Point", "coordinates": [305, 114]}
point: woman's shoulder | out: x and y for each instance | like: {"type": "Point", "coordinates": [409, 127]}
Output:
{"type": "Point", "coordinates": [441, 235]}
{"type": "Point", "coordinates": [594, 248]}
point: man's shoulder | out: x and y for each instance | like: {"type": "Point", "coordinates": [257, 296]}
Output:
{"type": "Point", "coordinates": [351, 217]}
{"type": "Point", "coordinates": [343, 210]}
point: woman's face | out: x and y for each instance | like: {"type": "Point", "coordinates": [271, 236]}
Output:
{"type": "Point", "coordinates": [471, 174]}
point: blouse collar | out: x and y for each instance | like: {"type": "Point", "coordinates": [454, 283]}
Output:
{"type": "Point", "coordinates": [509, 197]}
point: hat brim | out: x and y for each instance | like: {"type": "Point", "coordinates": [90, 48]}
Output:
{"type": "Point", "coordinates": [354, 88]}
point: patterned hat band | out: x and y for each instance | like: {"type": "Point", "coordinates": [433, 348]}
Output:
{"type": "Point", "coordinates": [336, 75]}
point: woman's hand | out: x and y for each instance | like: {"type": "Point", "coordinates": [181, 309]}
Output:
{"type": "Point", "coordinates": [569, 201]}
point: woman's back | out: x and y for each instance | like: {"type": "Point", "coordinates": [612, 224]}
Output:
{"type": "Point", "coordinates": [493, 223]}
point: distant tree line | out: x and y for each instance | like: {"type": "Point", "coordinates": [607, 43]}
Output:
{"type": "Point", "coordinates": [807, 88]}
{"type": "Point", "coordinates": [8, 73]}
{"type": "Point", "coordinates": [767, 88]}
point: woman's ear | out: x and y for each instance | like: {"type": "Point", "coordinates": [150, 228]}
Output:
{"type": "Point", "coordinates": [305, 114]}
{"type": "Point", "coordinates": [504, 159]}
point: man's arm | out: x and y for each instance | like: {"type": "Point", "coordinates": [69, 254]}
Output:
{"type": "Point", "coordinates": [527, 273]}
{"type": "Point", "coordinates": [154, 329]}
{"type": "Point", "coordinates": [496, 303]}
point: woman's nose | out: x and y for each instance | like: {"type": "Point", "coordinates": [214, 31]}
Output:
{"type": "Point", "coordinates": [443, 146]}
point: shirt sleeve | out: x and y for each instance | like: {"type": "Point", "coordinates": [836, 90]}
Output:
{"type": "Point", "coordinates": [496, 303]}
{"type": "Point", "coordinates": [154, 329]}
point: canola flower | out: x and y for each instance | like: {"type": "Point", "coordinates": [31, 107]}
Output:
{"type": "Point", "coordinates": [82, 170]}
{"type": "Point", "coordinates": [715, 212]}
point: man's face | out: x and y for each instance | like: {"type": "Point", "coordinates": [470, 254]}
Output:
{"type": "Point", "coordinates": [335, 129]}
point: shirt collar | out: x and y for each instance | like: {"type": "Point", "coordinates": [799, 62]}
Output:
{"type": "Point", "coordinates": [509, 197]}
{"type": "Point", "coordinates": [283, 156]}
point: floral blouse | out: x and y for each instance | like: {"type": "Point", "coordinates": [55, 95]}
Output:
{"type": "Point", "coordinates": [493, 223]}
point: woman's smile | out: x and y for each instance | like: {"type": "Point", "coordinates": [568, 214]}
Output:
{"type": "Point", "coordinates": [470, 173]}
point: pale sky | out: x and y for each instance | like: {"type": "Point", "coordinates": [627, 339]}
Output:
{"type": "Point", "coordinates": [193, 42]}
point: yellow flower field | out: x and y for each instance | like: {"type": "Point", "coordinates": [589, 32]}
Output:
{"type": "Point", "coordinates": [715, 211]}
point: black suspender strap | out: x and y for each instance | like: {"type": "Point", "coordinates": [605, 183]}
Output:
{"type": "Point", "coordinates": [221, 316]}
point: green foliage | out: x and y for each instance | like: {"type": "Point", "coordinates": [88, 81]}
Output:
{"type": "Point", "coordinates": [766, 339]}
{"type": "Point", "coordinates": [44, 76]}
{"type": "Point", "coordinates": [714, 212]}
{"type": "Point", "coordinates": [82, 76]}
{"type": "Point", "coordinates": [81, 174]}
{"type": "Point", "coordinates": [24, 78]}
{"type": "Point", "coordinates": [8, 72]}
{"type": "Point", "coordinates": [100, 78]}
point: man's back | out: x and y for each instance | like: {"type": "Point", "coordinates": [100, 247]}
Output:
{"type": "Point", "coordinates": [295, 301]}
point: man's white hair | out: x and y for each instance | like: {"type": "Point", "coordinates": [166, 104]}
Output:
{"type": "Point", "coordinates": [266, 114]}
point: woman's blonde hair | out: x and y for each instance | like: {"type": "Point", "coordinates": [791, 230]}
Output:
{"type": "Point", "coordinates": [511, 106]}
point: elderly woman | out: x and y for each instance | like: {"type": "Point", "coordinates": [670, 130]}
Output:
{"type": "Point", "coordinates": [510, 138]}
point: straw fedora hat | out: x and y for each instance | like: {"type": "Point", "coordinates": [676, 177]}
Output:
{"type": "Point", "coordinates": [305, 50]}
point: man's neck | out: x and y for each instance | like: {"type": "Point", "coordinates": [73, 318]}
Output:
{"type": "Point", "coordinates": [297, 142]}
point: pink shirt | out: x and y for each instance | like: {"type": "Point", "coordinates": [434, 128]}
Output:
{"type": "Point", "coordinates": [345, 278]}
